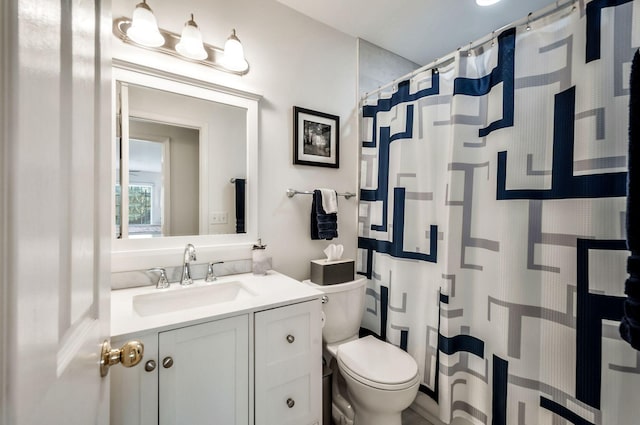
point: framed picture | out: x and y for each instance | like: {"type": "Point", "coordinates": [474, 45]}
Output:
{"type": "Point", "coordinates": [316, 138]}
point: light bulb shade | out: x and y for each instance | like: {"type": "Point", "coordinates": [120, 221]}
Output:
{"type": "Point", "coordinates": [234, 54]}
{"type": "Point", "coordinates": [144, 27]}
{"type": "Point", "coordinates": [190, 44]}
{"type": "Point", "coordinates": [486, 2]}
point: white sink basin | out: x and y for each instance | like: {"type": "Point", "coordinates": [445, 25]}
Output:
{"type": "Point", "coordinates": [190, 297]}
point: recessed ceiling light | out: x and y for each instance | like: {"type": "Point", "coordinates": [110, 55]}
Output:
{"type": "Point", "coordinates": [486, 2]}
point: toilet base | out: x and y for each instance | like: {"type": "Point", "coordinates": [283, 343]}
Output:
{"type": "Point", "coordinates": [373, 406]}
{"type": "Point", "coordinates": [345, 409]}
{"type": "Point", "coordinates": [339, 418]}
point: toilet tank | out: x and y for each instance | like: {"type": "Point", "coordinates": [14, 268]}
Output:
{"type": "Point", "coordinates": [343, 309]}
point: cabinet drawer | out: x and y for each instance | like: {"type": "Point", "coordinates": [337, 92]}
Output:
{"type": "Point", "coordinates": [289, 402]}
{"type": "Point", "coordinates": [286, 333]}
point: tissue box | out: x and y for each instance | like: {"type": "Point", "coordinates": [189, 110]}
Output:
{"type": "Point", "coordinates": [324, 272]}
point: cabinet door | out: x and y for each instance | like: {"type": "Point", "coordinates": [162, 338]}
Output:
{"type": "Point", "coordinates": [288, 365]}
{"type": "Point", "coordinates": [204, 374]}
{"type": "Point", "coordinates": [134, 392]}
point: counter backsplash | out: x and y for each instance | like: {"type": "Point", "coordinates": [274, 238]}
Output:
{"type": "Point", "coordinates": [135, 278]}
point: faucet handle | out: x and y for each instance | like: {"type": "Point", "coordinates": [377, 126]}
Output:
{"type": "Point", "coordinates": [163, 282]}
{"type": "Point", "coordinates": [211, 276]}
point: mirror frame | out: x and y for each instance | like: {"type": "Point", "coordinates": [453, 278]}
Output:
{"type": "Point", "coordinates": [137, 254]}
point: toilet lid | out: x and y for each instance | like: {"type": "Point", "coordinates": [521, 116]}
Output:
{"type": "Point", "coordinates": [377, 361]}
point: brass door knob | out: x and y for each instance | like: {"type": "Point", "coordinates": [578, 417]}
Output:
{"type": "Point", "coordinates": [129, 355]}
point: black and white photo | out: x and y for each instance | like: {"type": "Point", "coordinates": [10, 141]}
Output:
{"type": "Point", "coordinates": [316, 138]}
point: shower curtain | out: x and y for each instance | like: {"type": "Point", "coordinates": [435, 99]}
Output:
{"type": "Point", "coordinates": [492, 222]}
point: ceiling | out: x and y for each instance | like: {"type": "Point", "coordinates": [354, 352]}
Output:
{"type": "Point", "coordinates": [419, 30]}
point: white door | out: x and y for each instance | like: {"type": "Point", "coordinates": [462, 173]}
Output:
{"type": "Point", "coordinates": [54, 190]}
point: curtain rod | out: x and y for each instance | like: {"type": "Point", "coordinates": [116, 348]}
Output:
{"type": "Point", "coordinates": [529, 19]}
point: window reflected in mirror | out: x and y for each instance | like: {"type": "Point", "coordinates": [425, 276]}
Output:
{"type": "Point", "coordinates": [161, 159]}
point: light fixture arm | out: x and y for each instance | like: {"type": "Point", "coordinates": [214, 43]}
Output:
{"type": "Point", "coordinates": [233, 35]}
{"type": "Point", "coordinates": [143, 4]}
{"type": "Point", "coordinates": [215, 54]}
{"type": "Point", "coordinates": [192, 22]}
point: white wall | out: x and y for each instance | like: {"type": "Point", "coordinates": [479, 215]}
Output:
{"type": "Point", "coordinates": [378, 67]}
{"type": "Point", "coordinates": [295, 61]}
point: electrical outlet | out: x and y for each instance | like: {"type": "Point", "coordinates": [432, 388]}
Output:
{"type": "Point", "coordinates": [218, 217]}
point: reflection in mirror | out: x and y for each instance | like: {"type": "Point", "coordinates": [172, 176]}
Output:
{"type": "Point", "coordinates": [150, 108]}
{"type": "Point", "coordinates": [156, 206]}
{"type": "Point", "coordinates": [174, 162]}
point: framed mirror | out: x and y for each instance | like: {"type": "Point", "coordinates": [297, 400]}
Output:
{"type": "Point", "coordinates": [184, 163]}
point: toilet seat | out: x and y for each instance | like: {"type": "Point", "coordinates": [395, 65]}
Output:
{"type": "Point", "coordinates": [377, 364]}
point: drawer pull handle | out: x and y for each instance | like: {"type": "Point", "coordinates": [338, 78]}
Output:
{"type": "Point", "coordinates": [167, 362]}
{"type": "Point", "coordinates": [325, 299]}
{"type": "Point", "coordinates": [290, 339]}
{"type": "Point", "coordinates": [150, 365]}
{"type": "Point", "coordinates": [290, 403]}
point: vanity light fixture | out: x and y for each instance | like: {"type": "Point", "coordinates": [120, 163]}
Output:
{"type": "Point", "coordinates": [234, 53]}
{"type": "Point", "coordinates": [144, 27]}
{"type": "Point", "coordinates": [190, 44]}
{"type": "Point", "coordinates": [486, 2]}
{"type": "Point", "coordinates": [143, 31]}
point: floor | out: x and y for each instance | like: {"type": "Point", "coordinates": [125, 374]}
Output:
{"type": "Point", "coordinates": [409, 417]}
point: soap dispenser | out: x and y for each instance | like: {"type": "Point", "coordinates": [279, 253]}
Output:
{"type": "Point", "coordinates": [260, 261]}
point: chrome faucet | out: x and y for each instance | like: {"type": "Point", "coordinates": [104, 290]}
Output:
{"type": "Point", "coordinates": [163, 282]}
{"type": "Point", "coordinates": [211, 275]}
{"type": "Point", "coordinates": [189, 255]}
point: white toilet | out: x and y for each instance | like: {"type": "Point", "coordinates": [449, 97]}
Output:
{"type": "Point", "coordinates": [380, 379]}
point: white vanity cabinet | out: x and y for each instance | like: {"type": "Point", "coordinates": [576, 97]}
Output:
{"type": "Point", "coordinates": [201, 376]}
{"type": "Point", "coordinates": [260, 365]}
{"type": "Point", "coordinates": [288, 365]}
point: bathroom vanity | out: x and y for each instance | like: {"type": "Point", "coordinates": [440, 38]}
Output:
{"type": "Point", "coordinates": [242, 350]}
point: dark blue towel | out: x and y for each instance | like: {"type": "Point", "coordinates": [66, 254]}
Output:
{"type": "Point", "coordinates": [240, 194]}
{"type": "Point", "coordinates": [323, 225]}
{"type": "Point", "coordinates": [630, 325]}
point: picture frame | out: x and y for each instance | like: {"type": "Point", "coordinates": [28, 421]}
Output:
{"type": "Point", "coordinates": [316, 138]}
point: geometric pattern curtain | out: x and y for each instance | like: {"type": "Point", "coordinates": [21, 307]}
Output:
{"type": "Point", "coordinates": [492, 222]}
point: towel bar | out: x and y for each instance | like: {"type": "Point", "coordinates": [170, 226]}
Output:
{"type": "Point", "coordinates": [293, 192]}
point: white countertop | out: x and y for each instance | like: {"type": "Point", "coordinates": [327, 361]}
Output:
{"type": "Point", "coordinates": [269, 291]}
